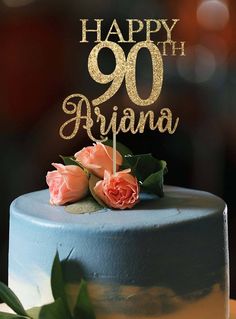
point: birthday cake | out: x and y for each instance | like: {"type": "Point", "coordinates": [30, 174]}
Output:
{"type": "Point", "coordinates": [143, 250]}
{"type": "Point", "coordinates": [165, 258]}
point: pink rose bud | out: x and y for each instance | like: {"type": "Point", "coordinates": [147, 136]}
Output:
{"type": "Point", "coordinates": [120, 190]}
{"type": "Point", "coordinates": [98, 158]}
{"type": "Point", "coordinates": [66, 184]}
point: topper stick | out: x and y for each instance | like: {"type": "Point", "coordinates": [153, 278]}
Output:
{"type": "Point", "coordinates": [114, 152]}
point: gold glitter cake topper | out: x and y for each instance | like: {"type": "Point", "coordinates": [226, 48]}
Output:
{"type": "Point", "coordinates": [82, 111]}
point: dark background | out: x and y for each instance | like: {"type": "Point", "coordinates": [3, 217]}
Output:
{"type": "Point", "coordinates": [42, 61]}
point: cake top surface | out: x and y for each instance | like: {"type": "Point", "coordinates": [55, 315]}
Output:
{"type": "Point", "coordinates": [178, 205]}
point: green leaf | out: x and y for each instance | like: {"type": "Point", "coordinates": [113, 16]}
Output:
{"type": "Point", "coordinates": [142, 165]}
{"type": "Point", "coordinates": [154, 182]}
{"type": "Point", "coordinates": [8, 297]}
{"type": "Point", "coordinates": [84, 206]}
{"type": "Point", "coordinates": [121, 148]}
{"type": "Point", "coordinates": [5, 315]}
{"type": "Point", "coordinates": [83, 308]}
{"type": "Point", "coordinates": [92, 182]}
{"type": "Point", "coordinates": [57, 283]}
{"type": "Point", "coordinates": [69, 160]}
{"type": "Point", "coordinates": [34, 312]}
{"type": "Point", "coordinates": [148, 170]}
{"type": "Point", "coordinates": [55, 310]}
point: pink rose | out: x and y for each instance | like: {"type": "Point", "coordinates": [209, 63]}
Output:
{"type": "Point", "coordinates": [98, 158]}
{"type": "Point", "coordinates": [120, 190]}
{"type": "Point", "coordinates": [66, 184]}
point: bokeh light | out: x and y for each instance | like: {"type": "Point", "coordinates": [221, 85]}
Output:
{"type": "Point", "coordinates": [213, 14]}
{"type": "Point", "coordinates": [198, 66]}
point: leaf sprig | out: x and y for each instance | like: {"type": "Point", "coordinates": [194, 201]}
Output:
{"type": "Point", "coordinates": [59, 309]}
{"type": "Point", "coordinates": [148, 170]}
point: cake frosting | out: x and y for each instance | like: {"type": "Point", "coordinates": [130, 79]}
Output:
{"type": "Point", "coordinates": [166, 258]}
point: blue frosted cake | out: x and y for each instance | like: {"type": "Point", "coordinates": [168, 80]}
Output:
{"type": "Point", "coordinates": [166, 258]}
